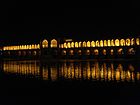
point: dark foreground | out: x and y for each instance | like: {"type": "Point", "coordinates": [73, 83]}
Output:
{"type": "Point", "coordinates": [31, 91]}
{"type": "Point", "coordinates": [70, 83]}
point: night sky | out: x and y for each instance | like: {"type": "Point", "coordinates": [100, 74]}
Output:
{"type": "Point", "coordinates": [37, 21]}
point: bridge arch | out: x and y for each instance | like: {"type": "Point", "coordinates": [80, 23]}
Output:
{"type": "Point", "coordinates": [45, 43]}
{"type": "Point", "coordinates": [53, 43]}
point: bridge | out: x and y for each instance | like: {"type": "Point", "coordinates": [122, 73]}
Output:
{"type": "Point", "coordinates": [71, 49]}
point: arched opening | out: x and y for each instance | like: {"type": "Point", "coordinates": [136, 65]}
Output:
{"type": "Point", "coordinates": [120, 51]}
{"type": "Point", "coordinates": [111, 51]}
{"type": "Point", "coordinates": [131, 51]}
{"type": "Point", "coordinates": [96, 52]}
{"type": "Point", "coordinates": [68, 45]}
{"type": "Point", "coordinates": [108, 42]}
{"type": "Point", "coordinates": [65, 45]}
{"type": "Point", "coordinates": [101, 43]}
{"type": "Point", "coordinates": [117, 42]}
{"type": "Point", "coordinates": [87, 52]}
{"type": "Point", "coordinates": [80, 44]}
{"type": "Point", "coordinates": [88, 44]}
{"type": "Point", "coordinates": [132, 41]}
{"type": "Point", "coordinates": [53, 43]}
{"type": "Point", "coordinates": [79, 52]}
{"type": "Point", "coordinates": [122, 42]}
{"type": "Point", "coordinates": [72, 44]}
{"type": "Point", "coordinates": [92, 44]}
{"type": "Point", "coordinates": [76, 44]}
{"type": "Point", "coordinates": [97, 44]}
{"type": "Point", "coordinates": [105, 43]}
{"type": "Point", "coordinates": [33, 46]}
{"type": "Point", "coordinates": [84, 44]}
{"type": "Point", "coordinates": [104, 51]}
{"type": "Point", "coordinates": [34, 53]}
{"type": "Point", "coordinates": [64, 52]}
{"type": "Point", "coordinates": [61, 45]}
{"type": "Point", "coordinates": [44, 43]}
{"type": "Point", "coordinates": [112, 42]}
{"type": "Point", "coordinates": [128, 42]}
{"type": "Point", "coordinates": [71, 52]}
{"type": "Point", "coordinates": [137, 41]}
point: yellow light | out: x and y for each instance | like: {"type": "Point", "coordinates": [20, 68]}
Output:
{"type": "Point", "coordinates": [112, 42]}
{"type": "Point", "coordinates": [117, 42]}
{"type": "Point", "coordinates": [105, 43]}
{"type": "Point", "coordinates": [122, 42]}
{"type": "Point", "coordinates": [92, 44]}
{"type": "Point", "coordinates": [65, 45]}
{"type": "Point", "coordinates": [53, 43]}
{"type": "Point", "coordinates": [84, 44]}
{"type": "Point", "coordinates": [88, 44]}
{"type": "Point", "coordinates": [72, 44]}
{"type": "Point", "coordinates": [80, 44]}
{"type": "Point", "coordinates": [101, 43]}
{"type": "Point", "coordinates": [45, 43]}
{"type": "Point", "coordinates": [137, 41]}
{"type": "Point", "coordinates": [68, 45]}
{"type": "Point", "coordinates": [76, 44]}
{"type": "Point", "coordinates": [108, 42]}
{"type": "Point", "coordinates": [97, 44]}
{"type": "Point", "coordinates": [128, 42]}
{"type": "Point", "coordinates": [132, 41]}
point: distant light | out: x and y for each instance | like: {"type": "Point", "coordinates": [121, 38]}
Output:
{"type": "Point", "coordinates": [68, 40]}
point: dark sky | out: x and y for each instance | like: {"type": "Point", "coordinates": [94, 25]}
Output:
{"type": "Point", "coordinates": [21, 21]}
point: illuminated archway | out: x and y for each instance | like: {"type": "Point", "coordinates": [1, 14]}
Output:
{"type": "Point", "coordinates": [120, 51]}
{"type": "Point", "coordinates": [79, 52]}
{"type": "Point", "coordinates": [72, 44]}
{"type": "Point", "coordinates": [88, 44]}
{"type": "Point", "coordinates": [132, 41]}
{"type": "Point", "coordinates": [54, 43]}
{"type": "Point", "coordinates": [112, 42]}
{"type": "Point", "coordinates": [105, 43]}
{"type": "Point", "coordinates": [117, 42]}
{"type": "Point", "coordinates": [97, 44]}
{"type": "Point", "coordinates": [64, 52]}
{"type": "Point", "coordinates": [84, 44]}
{"type": "Point", "coordinates": [44, 43]}
{"type": "Point", "coordinates": [80, 44]}
{"type": "Point", "coordinates": [104, 52]}
{"type": "Point", "coordinates": [122, 42]}
{"type": "Point", "coordinates": [71, 52]}
{"type": "Point", "coordinates": [111, 51]}
{"type": "Point", "coordinates": [76, 44]}
{"type": "Point", "coordinates": [108, 42]}
{"type": "Point", "coordinates": [96, 52]}
{"type": "Point", "coordinates": [68, 45]}
{"type": "Point", "coordinates": [87, 52]}
{"type": "Point", "coordinates": [65, 45]}
{"type": "Point", "coordinates": [131, 51]}
{"type": "Point", "coordinates": [137, 41]}
{"type": "Point", "coordinates": [92, 44]}
{"type": "Point", "coordinates": [101, 43]}
{"type": "Point", "coordinates": [128, 42]}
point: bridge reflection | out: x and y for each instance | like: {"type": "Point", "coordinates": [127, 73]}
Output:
{"type": "Point", "coordinates": [74, 70]}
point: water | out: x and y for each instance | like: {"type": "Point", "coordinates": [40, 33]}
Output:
{"type": "Point", "coordinates": [73, 81]}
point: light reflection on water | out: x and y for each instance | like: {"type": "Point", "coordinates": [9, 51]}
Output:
{"type": "Point", "coordinates": [74, 70]}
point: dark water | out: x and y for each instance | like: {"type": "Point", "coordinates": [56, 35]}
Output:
{"type": "Point", "coordinates": [70, 82]}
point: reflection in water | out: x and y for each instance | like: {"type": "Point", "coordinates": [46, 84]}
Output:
{"type": "Point", "coordinates": [89, 70]}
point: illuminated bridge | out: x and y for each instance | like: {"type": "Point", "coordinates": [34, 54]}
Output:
{"type": "Point", "coordinates": [71, 49]}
